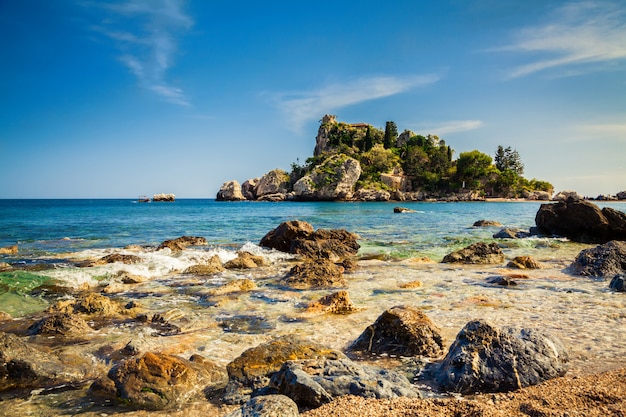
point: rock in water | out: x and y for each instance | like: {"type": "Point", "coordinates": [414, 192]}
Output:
{"type": "Point", "coordinates": [602, 261]}
{"type": "Point", "coordinates": [267, 406]}
{"type": "Point", "coordinates": [314, 382]}
{"type": "Point", "coordinates": [477, 253]}
{"type": "Point", "coordinates": [484, 358]}
{"type": "Point", "coordinates": [401, 330]}
{"type": "Point", "coordinates": [618, 283]}
{"type": "Point", "coordinates": [230, 191]}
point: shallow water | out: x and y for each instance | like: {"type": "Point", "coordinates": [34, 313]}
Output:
{"type": "Point", "coordinates": [582, 312]}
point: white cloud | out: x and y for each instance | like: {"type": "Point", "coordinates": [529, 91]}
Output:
{"type": "Point", "coordinates": [148, 41]}
{"type": "Point", "coordinates": [608, 129]}
{"type": "Point", "coordinates": [453, 126]}
{"type": "Point", "coordinates": [304, 106]}
{"type": "Point", "coordinates": [581, 33]}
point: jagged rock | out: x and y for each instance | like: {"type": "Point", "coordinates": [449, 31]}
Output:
{"type": "Point", "coordinates": [230, 191]}
{"type": "Point", "coordinates": [369, 194]}
{"type": "Point", "coordinates": [314, 382]}
{"type": "Point", "coordinates": [112, 258]}
{"type": "Point", "coordinates": [274, 182]}
{"type": "Point", "coordinates": [267, 406]}
{"type": "Point", "coordinates": [9, 250]}
{"type": "Point", "coordinates": [336, 303]}
{"type": "Point", "coordinates": [524, 262]}
{"type": "Point", "coordinates": [66, 325]}
{"type": "Point", "coordinates": [213, 266]}
{"type": "Point", "coordinates": [566, 195]}
{"type": "Point", "coordinates": [282, 237]}
{"type": "Point", "coordinates": [182, 242]}
{"type": "Point", "coordinates": [602, 261]}
{"type": "Point", "coordinates": [618, 283]}
{"type": "Point", "coordinates": [248, 187]}
{"type": "Point", "coordinates": [401, 330]}
{"type": "Point", "coordinates": [237, 285]}
{"type": "Point", "coordinates": [581, 221]}
{"type": "Point", "coordinates": [24, 366]}
{"type": "Point", "coordinates": [245, 260]}
{"type": "Point", "coordinates": [253, 369]}
{"type": "Point", "coordinates": [511, 233]}
{"type": "Point", "coordinates": [487, 223]}
{"type": "Point", "coordinates": [334, 179]}
{"type": "Point", "coordinates": [485, 358]}
{"type": "Point", "coordinates": [318, 273]}
{"type": "Point", "coordinates": [90, 304]}
{"type": "Point", "coordinates": [156, 381]}
{"type": "Point", "coordinates": [477, 253]}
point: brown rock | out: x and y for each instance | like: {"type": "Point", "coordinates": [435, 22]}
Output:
{"type": "Point", "coordinates": [112, 258]}
{"type": "Point", "coordinates": [477, 253]}
{"type": "Point", "coordinates": [335, 303]}
{"type": "Point", "coordinates": [90, 304]}
{"type": "Point", "coordinates": [9, 250]}
{"type": "Point", "coordinates": [282, 237]}
{"type": "Point", "coordinates": [245, 260]}
{"type": "Point", "coordinates": [320, 273]}
{"type": "Point", "coordinates": [213, 266]}
{"type": "Point", "coordinates": [237, 285]}
{"type": "Point", "coordinates": [487, 223]}
{"type": "Point", "coordinates": [524, 262]}
{"type": "Point", "coordinates": [67, 325]}
{"type": "Point", "coordinates": [182, 242]}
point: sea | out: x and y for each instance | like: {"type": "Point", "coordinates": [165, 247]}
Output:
{"type": "Point", "coordinates": [399, 263]}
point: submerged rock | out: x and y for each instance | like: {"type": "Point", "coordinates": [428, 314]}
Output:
{"type": "Point", "coordinates": [253, 369]}
{"type": "Point", "coordinates": [487, 223]}
{"type": "Point", "coordinates": [477, 253]}
{"type": "Point", "coordinates": [581, 221]}
{"type": "Point", "coordinates": [267, 406]}
{"type": "Point", "coordinates": [511, 233]}
{"type": "Point", "coordinates": [335, 303]}
{"type": "Point", "coordinates": [314, 382]}
{"type": "Point", "coordinates": [157, 381]}
{"type": "Point", "coordinates": [237, 285]}
{"type": "Point", "coordinates": [524, 262]}
{"type": "Point", "coordinates": [319, 273]}
{"type": "Point", "coordinates": [402, 210]}
{"type": "Point", "coordinates": [602, 261]}
{"type": "Point", "coordinates": [485, 358]}
{"type": "Point", "coordinates": [401, 330]}
{"type": "Point", "coordinates": [618, 283]}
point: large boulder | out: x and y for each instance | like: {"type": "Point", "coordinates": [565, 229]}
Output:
{"type": "Point", "coordinates": [334, 179]}
{"type": "Point", "coordinates": [485, 358]}
{"type": "Point", "coordinates": [477, 253]}
{"type": "Point", "coordinates": [602, 261]}
{"type": "Point", "coordinates": [248, 188]}
{"type": "Point", "coordinates": [24, 366]}
{"type": "Point", "coordinates": [403, 331]}
{"type": "Point", "coordinates": [276, 181]}
{"type": "Point", "coordinates": [314, 382]}
{"type": "Point", "coordinates": [230, 191]}
{"type": "Point", "coordinates": [581, 221]}
{"type": "Point", "coordinates": [282, 237]}
{"type": "Point", "coordinates": [156, 381]}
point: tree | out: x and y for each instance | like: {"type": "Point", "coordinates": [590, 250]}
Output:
{"type": "Point", "coordinates": [368, 140]}
{"type": "Point", "coordinates": [508, 159]}
{"type": "Point", "coordinates": [472, 166]}
{"type": "Point", "coordinates": [391, 135]}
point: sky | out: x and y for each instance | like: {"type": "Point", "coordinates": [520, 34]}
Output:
{"type": "Point", "coordinates": [116, 99]}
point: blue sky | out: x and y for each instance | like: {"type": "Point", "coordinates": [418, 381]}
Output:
{"type": "Point", "coordinates": [126, 98]}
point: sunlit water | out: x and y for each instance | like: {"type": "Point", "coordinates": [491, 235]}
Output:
{"type": "Point", "coordinates": [588, 317]}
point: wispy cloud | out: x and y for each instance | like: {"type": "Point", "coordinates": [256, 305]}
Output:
{"type": "Point", "coordinates": [577, 34]}
{"type": "Point", "coordinates": [606, 130]}
{"type": "Point", "coordinates": [145, 32]}
{"type": "Point", "coordinates": [453, 126]}
{"type": "Point", "coordinates": [304, 106]}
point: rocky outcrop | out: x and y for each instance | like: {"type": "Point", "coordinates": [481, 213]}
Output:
{"type": "Point", "coordinates": [24, 366]}
{"type": "Point", "coordinates": [248, 188]}
{"type": "Point", "coordinates": [230, 191]}
{"type": "Point", "coordinates": [334, 179]}
{"type": "Point", "coordinates": [602, 261]}
{"type": "Point", "coordinates": [477, 253]}
{"type": "Point", "coordinates": [322, 140]}
{"type": "Point", "coordinates": [371, 194]}
{"type": "Point", "coordinates": [315, 274]}
{"type": "Point", "coordinates": [274, 182]}
{"type": "Point", "coordinates": [538, 196]}
{"type": "Point", "coordinates": [164, 197]}
{"type": "Point", "coordinates": [156, 381]}
{"type": "Point", "coordinates": [180, 243]}
{"type": "Point", "coordinates": [403, 331]}
{"type": "Point", "coordinates": [298, 237]}
{"type": "Point", "coordinates": [313, 382]}
{"type": "Point", "coordinates": [581, 221]}
{"type": "Point", "coordinates": [566, 195]}
{"type": "Point", "coordinates": [485, 358]}
{"type": "Point", "coordinates": [253, 369]}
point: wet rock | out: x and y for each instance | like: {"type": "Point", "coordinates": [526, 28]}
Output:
{"type": "Point", "coordinates": [477, 253]}
{"type": "Point", "coordinates": [156, 381]}
{"type": "Point", "coordinates": [90, 304]}
{"type": "Point", "coordinates": [403, 331]}
{"type": "Point", "coordinates": [66, 325]}
{"type": "Point", "coordinates": [314, 382]}
{"type": "Point", "coordinates": [618, 283]}
{"type": "Point", "coordinates": [9, 250]}
{"type": "Point", "coordinates": [605, 260]}
{"type": "Point", "coordinates": [581, 221]}
{"type": "Point", "coordinates": [112, 258]}
{"type": "Point", "coordinates": [128, 278]}
{"type": "Point", "coordinates": [267, 406]}
{"type": "Point", "coordinates": [402, 210]}
{"type": "Point", "coordinates": [411, 285]}
{"type": "Point", "coordinates": [245, 260]}
{"type": "Point", "coordinates": [487, 223]}
{"type": "Point", "coordinates": [230, 191]}
{"type": "Point", "coordinates": [485, 358]}
{"type": "Point", "coordinates": [237, 285]}
{"type": "Point", "coordinates": [246, 324]}
{"type": "Point", "coordinates": [24, 366]}
{"type": "Point", "coordinates": [335, 303]}
{"type": "Point", "coordinates": [503, 281]}
{"type": "Point", "coordinates": [511, 233]}
{"type": "Point", "coordinates": [524, 262]}
{"type": "Point", "coordinates": [254, 367]}
{"type": "Point", "coordinates": [5, 267]}
{"type": "Point", "coordinates": [281, 237]}
{"type": "Point", "coordinates": [319, 273]}
{"type": "Point", "coordinates": [182, 242]}
{"type": "Point", "coordinates": [213, 266]}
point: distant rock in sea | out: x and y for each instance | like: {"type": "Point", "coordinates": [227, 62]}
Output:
{"type": "Point", "coordinates": [164, 197]}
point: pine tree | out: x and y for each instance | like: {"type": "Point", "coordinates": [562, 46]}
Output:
{"type": "Point", "coordinates": [391, 135]}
